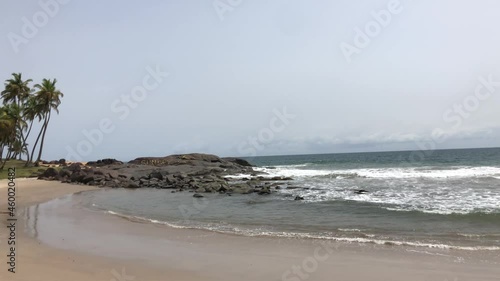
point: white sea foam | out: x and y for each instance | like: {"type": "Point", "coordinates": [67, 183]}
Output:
{"type": "Point", "coordinates": [422, 189]}
{"type": "Point", "coordinates": [445, 200]}
{"type": "Point", "coordinates": [228, 229]}
{"type": "Point", "coordinates": [389, 173]}
{"type": "Point", "coordinates": [349, 229]}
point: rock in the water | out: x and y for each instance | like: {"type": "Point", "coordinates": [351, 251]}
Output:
{"type": "Point", "coordinates": [238, 161]}
{"type": "Point", "coordinates": [298, 198]}
{"type": "Point", "coordinates": [361, 191]}
{"type": "Point", "coordinates": [189, 172]}
{"type": "Point", "coordinates": [277, 178]}
{"type": "Point", "coordinates": [241, 188]}
{"type": "Point", "coordinates": [264, 191]}
{"type": "Point", "coordinates": [197, 195]}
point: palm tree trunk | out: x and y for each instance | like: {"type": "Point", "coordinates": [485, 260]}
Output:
{"type": "Point", "coordinates": [5, 161]}
{"type": "Point", "coordinates": [25, 146]}
{"type": "Point", "coordinates": [43, 139]}
{"type": "Point", "coordinates": [36, 143]}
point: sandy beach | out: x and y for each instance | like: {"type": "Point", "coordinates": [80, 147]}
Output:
{"type": "Point", "coordinates": [70, 243]}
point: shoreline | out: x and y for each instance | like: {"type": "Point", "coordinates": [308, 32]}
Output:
{"type": "Point", "coordinates": [149, 251]}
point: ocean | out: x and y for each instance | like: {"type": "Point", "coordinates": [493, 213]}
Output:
{"type": "Point", "coordinates": [449, 199]}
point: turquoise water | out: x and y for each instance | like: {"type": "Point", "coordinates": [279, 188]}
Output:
{"type": "Point", "coordinates": [448, 199]}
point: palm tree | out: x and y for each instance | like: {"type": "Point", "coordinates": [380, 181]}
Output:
{"type": "Point", "coordinates": [48, 98]}
{"type": "Point", "coordinates": [16, 90]}
{"type": "Point", "coordinates": [8, 130]}
{"type": "Point", "coordinates": [6, 127]}
{"type": "Point", "coordinates": [15, 93]}
{"type": "Point", "coordinates": [30, 113]}
{"type": "Point", "coordinates": [14, 113]}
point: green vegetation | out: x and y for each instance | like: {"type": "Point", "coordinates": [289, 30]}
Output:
{"type": "Point", "coordinates": [21, 170]}
{"type": "Point", "coordinates": [22, 107]}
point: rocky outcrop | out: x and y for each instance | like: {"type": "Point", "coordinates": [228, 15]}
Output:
{"type": "Point", "coordinates": [60, 162]}
{"type": "Point", "coordinates": [200, 173]}
{"type": "Point", "coordinates": [175, 160]}
{"type": "Point", "coordinates": [104, 162]}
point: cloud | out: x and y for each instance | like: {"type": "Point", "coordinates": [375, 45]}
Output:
{"type": "Point", "coordinates": [382, 142]}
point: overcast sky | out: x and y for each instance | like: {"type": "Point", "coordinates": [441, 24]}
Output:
{"type": "Point", "coordinates": [235, 66]}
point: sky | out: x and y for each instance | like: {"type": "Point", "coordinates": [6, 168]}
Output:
{"type": "Point", "coordinates": [247, 78]}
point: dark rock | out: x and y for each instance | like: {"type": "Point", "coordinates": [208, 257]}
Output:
{"type": "Point", "coordinates": [197, 195]}
{"type": "Point", "coordinates": [77, 177]}
{"type": "Point", "coordinates": [88, 170]}
{"type": "Point", "coordinates": [104, 162]}
{"type": "Point", "coordinates": [181, 159]}
{"type": "Point", "coordinates": [132, 185]}
{"type": "Point", "coordinates": [281, 178]}
{"type": "Point", "coordinates": [75, 167]}
{"type": "Point", "coordinates": [50, 173]}
{"type": "Point", "coordinates": [156, 175]}
{"type": "Point", "coordinates": [201, 190]}
{"type": "Point", "coordinates": [264, 191]}
{"type": "Point", "coordinates": [239, 161]}
{"type": "Point", "coordinates": [170, 179]}
{"type": "Point", "coordinates": [215, 186]}
{"type": "Point", "coordinates": [64, 173]}
{"type": "Point", "coordinates": [298, 198]}
{"type": "Point", "coordinates": [274, 178]}
{"type": "Point", "coordinates": [292, 187]}
{"type": "Point", "coordinates": [254, 183]}
{"type": "Point", "coordinates": [87, 179]}
{"type": "Point", "coordinates": [189, 172]}
{"type": "Point", "coordinates": [241, 188]}
{"type": "Point", "coordinates": [361, 191]}
{"type": "Point", "coordinates": [112, 174]}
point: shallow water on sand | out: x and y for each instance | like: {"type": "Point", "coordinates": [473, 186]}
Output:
{"type": "Point", "coordinates": [449, 200]}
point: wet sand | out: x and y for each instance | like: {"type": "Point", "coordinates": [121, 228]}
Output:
{"type": "Point", "coordinates": [61, 240]}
